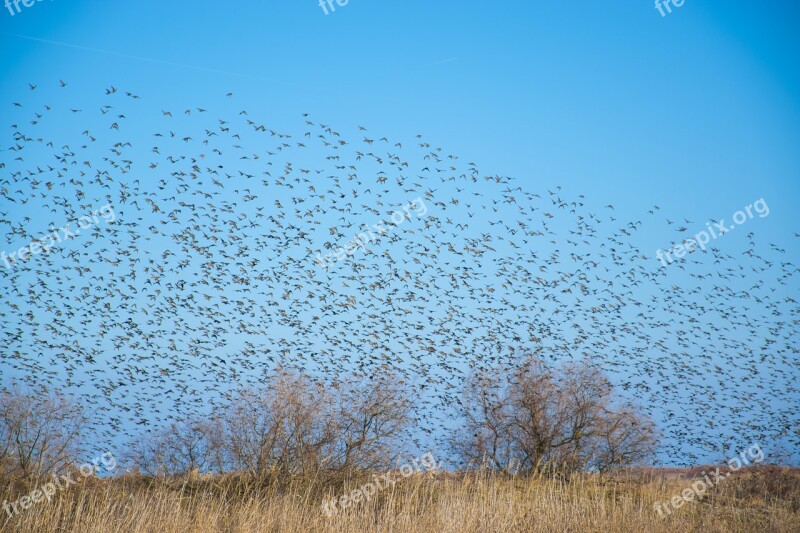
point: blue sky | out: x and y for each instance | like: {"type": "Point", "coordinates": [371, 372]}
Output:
{"type": "Point", "coordinates": [697, 111]}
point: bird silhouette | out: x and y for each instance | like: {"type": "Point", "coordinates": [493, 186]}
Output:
{"type": "Point", "coordinates": [237, 245]}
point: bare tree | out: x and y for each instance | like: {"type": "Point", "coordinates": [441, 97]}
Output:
{"type": "Point", "coordinates": [624, 438]}
{"type": "Point", "coordinates": [39, 433]}
{"type": "Point", "coordinates": [252, 432]}
{"type": "Point", "coordinates": [183, 447]}
{"type": "Point", "coordinates": [309, 429]}
{"type": "Point", "coordinates": [370, 419]}
{"type": "Point", "coordinates": [293, 425]}
{"type": "Point", "coordinates": [286, 427]}
{"type": "Point", "coordinates": [486, 437]}
{"type": "Point", "coordinates": [146, 454]}
{"type": "Point", "coordinates": [534, 418]}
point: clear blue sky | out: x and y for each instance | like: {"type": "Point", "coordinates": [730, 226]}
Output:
{"type": "Point", "coordinates": [697, 111]}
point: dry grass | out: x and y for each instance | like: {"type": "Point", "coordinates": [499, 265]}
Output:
{"type": "Point", "coordinates": [759, 501]}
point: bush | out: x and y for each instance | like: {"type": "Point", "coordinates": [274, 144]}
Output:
{"type": "Point", "coordinates": [533, 418]}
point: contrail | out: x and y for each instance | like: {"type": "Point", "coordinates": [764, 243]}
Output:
{"type": "Point", "coordinates": [140, 58]}
{"type": "Point", "coordinates": [443, 61]}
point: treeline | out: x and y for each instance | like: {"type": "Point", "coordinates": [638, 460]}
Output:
{"type": "Point", "coordinates": [529, 418]}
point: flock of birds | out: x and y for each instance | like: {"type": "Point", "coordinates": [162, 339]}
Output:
{"type": "Point", "coordinates": [207, 277]}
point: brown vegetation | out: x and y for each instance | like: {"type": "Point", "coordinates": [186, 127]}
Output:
{"type": "Point", "coordinates": [271, 458]}
{"type": "Point", "coordinates": [39, 433]}
{"type": "Point", "coordinates": [291, 426]}
{"type": "Point", "coordinates": [534, 418]}
{"type": "Point", "coordinates": [477, 502]}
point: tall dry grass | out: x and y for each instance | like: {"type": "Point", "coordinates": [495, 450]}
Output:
{"type": "Point", "coordinates": [757, 501]}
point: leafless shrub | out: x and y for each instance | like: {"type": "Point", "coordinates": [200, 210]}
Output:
{"type": "Point", "coordinates": [293, 425]}
{"type": "Point", "coordinates": [183, 447]}
{"type": "Point", "coordinates": [39, 433]}
{"type": "Point", "coordinates": [370, 417]}
{"type": "Point", "coordinates": [534, 418]}
{"type": "Point", "coordinates": [285, 427]}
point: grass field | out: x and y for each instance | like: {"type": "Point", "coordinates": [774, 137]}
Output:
{"type": "Point", "coordinates": [760, 500]}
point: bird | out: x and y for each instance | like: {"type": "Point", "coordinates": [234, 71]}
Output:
{"type": "Point", "coordinates": [217, 248]}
